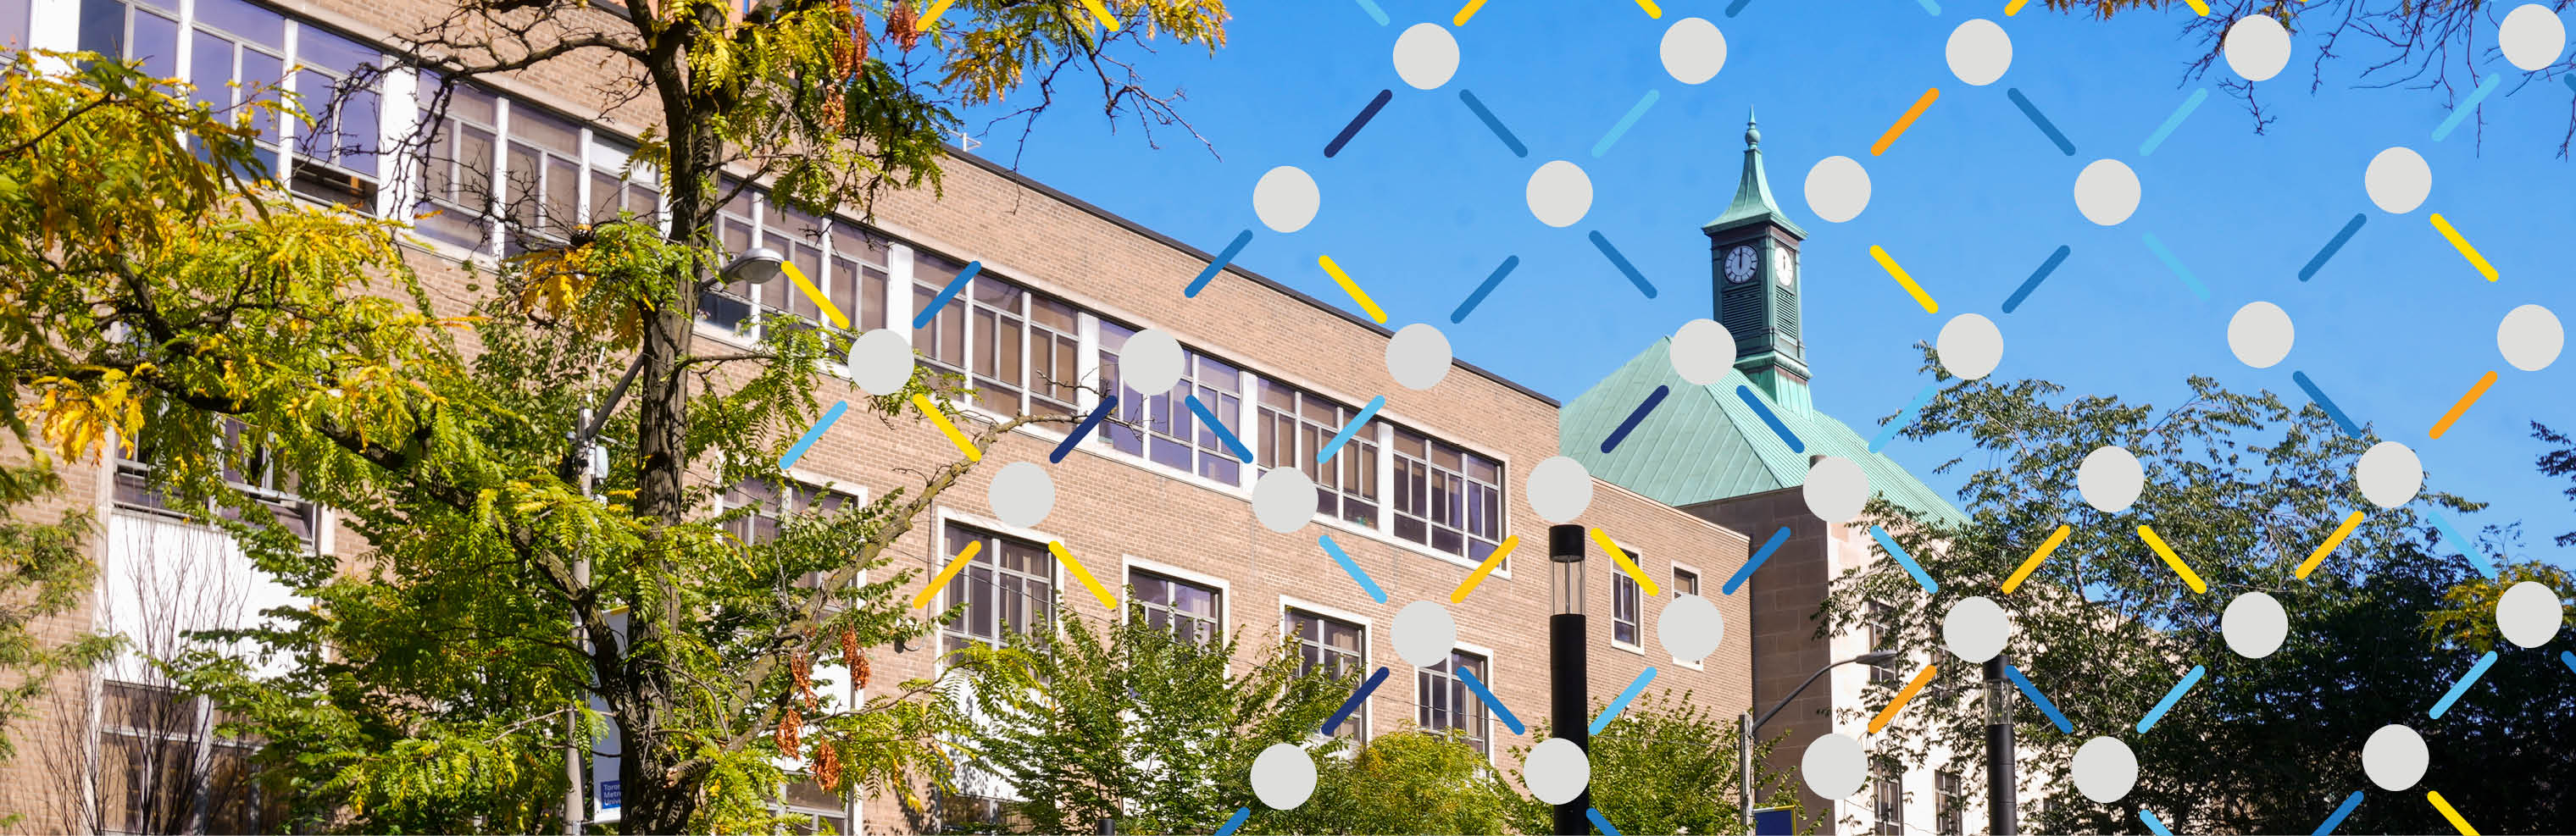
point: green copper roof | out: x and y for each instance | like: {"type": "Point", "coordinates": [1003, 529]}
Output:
{"type": "Point", "coordinates": [1752, 192]}
{"type": "Point", "coordinates": [1704, 444]}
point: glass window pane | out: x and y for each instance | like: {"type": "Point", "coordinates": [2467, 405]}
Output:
{"type": "Point", "coordinates": [252, 23]}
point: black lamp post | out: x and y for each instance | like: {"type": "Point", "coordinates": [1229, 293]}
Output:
{"type": "Point", "coordinates": [1999, 748]}
{"type": "Point", "coordinates": [1568, 664]}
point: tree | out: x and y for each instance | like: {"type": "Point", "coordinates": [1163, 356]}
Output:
{"type": "Point", "coordinates": [2244, 488]}
{"type": "Point", "coordinates": [437, 679]}
{"type": "Point", "coordinates": [1403, 781]}
{"type": "Point", "coordinates": [1136, 723]}
{"type": "Point", "coordinates": [2440, 45]}
{"type": "Point", "coordinates": [1667, 765]}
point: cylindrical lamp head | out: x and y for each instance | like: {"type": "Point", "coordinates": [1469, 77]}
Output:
{"type": "Point", "coordinates": [1565, 569]}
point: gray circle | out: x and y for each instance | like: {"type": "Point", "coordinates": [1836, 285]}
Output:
{"type": "Point", "coordinates": [1690, 627]}
{"type": "Point", "coordinates": [1970, 346]}
{"type": "Point", "coordinates": [1151, 362]}
{"type": "Point", "coordinates": [1425, 633]}
{"type": "Point", "coordinates": [2530, 337]}
{"type": "Point", "coordinates": [2254, 625]}
{"type": "Point", "coordinates": [2106, 192]}
{"type": "Point", "coordinates": [1702, 351]}
{"type": "Point", "coordinates": [1559, 489]}
{"type": "Point", "coordinates": [1693, 50]}
{"type": "Point", "coordinates": [1979, 52]}
{"type": "Point", "coordinates": [2532, 37]}
{"type": "Point", "coordinates": [1022, 494]}
{"type": "Point", "coordinates": [1834, 766]}
{"type": "Point", "coordinates": [1426, 56]}
{"type": "Point", "coordinates": [881, 362]}
{"type": "Point", "coordinates": [1418, 356]}
{"type": "Point", "coordinates": [2529, 614]}
{"type": "Point", "coordinates": [2394, 757]}
{"type": "Point", "coordinates": [2110, 479]}
{"type": "Point", "coordinates": [2260, 334]}
{"type": "Point", "coordinates": [2389, 474]}
{"type": "Point", "coordinates": [1285, 199]}
{"type": "Point", "coordinates": [1837, 189]}
{"type": "Point", "coordinates": [1556, 770]}
{"type": "Point", "coordinates": [1836, 489]}
{"type": "Point", "coordinates": [1559, 193]}
{"type": "Point", "coordinates": [1283, 499]}
{"type": "Point", "coordinates": [2105, 769]}
{"type": "Point", "coordinates": [1975, 629]}
{"type": "Point", "coordinates": [2397, 180]}
{"type": "Point", "coordinates": [1283, 776]}
{"type": "Point", "coordinates": [2256, 47]}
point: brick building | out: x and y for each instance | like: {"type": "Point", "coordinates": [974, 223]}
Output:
{"type": "Point", "coordinates": [1418, 498]}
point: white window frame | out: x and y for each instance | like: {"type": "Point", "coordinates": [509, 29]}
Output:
{"type": "Point", "coordinates": [1131, 564]}
{"type": "Point", "coordinates": [1368, 659]}
{"type": "Point", "coordinates": [1493, 672]}
{"type": "Point", "coordinates": [1702, 579]}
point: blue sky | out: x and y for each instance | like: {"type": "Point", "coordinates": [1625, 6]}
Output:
{"type": "Point", "coordinates": [1425, 202]}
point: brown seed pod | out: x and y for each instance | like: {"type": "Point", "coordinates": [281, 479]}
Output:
{"type": "Point", "coordinates": [790, 725]}
{"type": "Point", "coordinates": [827, 766]}
{"type": "Point", "coordinates": [850, 649]}
{"type": "Point", "coordinates": [900, 23]}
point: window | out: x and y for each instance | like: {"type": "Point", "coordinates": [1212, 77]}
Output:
{"type": "Point", "coordinates": [336, 156]}
{"type": "Point", "coordinates": [1055, 356]}
{"type": "Point", "coordinates": [996, 335]}
{"type": "Point", "coordinates": [14, 24]}
{"type": "Point", "coordinates": [1882, 634]}
{"type": "Point", "coordinates": [1952, 803]}
{"type": "Point", "coordinates": [1189, 610]}
{"type": "Point", "coordinates": [1443, 703]}
{"type": "Point", "coordinates": [858, 279]}
{"type": "Point", "coordinates": [1008, 588]}
{"type": "Point", "coordinates": [1685, 581]}
{"type": "Point", "coordinates": [811, 809]}
{"type": "Point", "coordinates": [1887, 785]}
{"type": "Point", "coordinates": [1295, 424]}
{"type": "Point", "coordinates": [456, 172]}
{"type": "Point", "coordinates": [1445, 497]}
{"type": "Point", "coordinates": [258, 476]}
{"type": "Point", "coordinates": [1160, 426]}
{"type": "Point", "coordinates": [772, 504]}
{"type": "Point", "coordinates": [152, 742]}
{"type": "Point", "coordinates": [542, 166]}
{"type": "Point", "coordinates": [942, 342]}
{"type": "Point", "coordinates": [613, 188]}
{"type": "Point", "coordinates": [729, 305]}
{"type": "Point", "coordinates": [1626, 605]}
{"type": "Point", "coordinates": [1329, 647]}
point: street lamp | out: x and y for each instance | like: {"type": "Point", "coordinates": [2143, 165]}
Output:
{"type": "Point", "coordinates": [758, 266]}
{"type": "Point", "coordinates": [1568, 664]}
{"type": "Point", "coordinates": [1744, 733]}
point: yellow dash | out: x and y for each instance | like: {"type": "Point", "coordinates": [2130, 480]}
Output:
{"type": "Point", "coordinates": [1084, 575]}
{"type": "Point", "coordinates": [1465, 12]}
{"type": "Point", "coordinates": [1652, 10]}
{"type": "Point", "coordinates": [1903, 122]}
{"type": "Point", "coordinates": [2027, 566]}
{"type": "Point", "coordinates": [2171, 559]}
{"type": "Point", "coordinates": [2199, 7]}
{"type": "Point", "coordinates": [2014, 7]}
{"type": "Point", "coordinates": [1620, 556]}
{"type": "Point", "coordinates": [1920, 297]}
{"type": "Point", "coordinates": [2328, 547]}
{"type": "Point", "coordinates": [932, 16]}
{"type": "Point", "coordinates": [2462, 244]}
{"type": "Point", "coordinates": [1102, 12]}
{"type": "Point", "coordinates": [1902, 697]}
{"type": "Point", "coordinates": [946, 573]}
{"type": "Point", "coordinates": [954, 437]}
{"type": "Point", "coordinates": [1483, 569]}
{"type": "Point", "coordinates": [1352, 288]}
{"type": "Point", "coordinates": [2462, 407]}
{"type": "Point", "coordinates": [2448, 813]}
{"type": "Point", "coordinates": [816, 294]}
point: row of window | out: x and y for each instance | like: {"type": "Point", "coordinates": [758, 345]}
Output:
{"type": "Point", "coordinates": [498, 175]}
{"type": "Point", "coordinates": [1887, 793]}
{"type": "Point", "coordinates": [1008, 587]}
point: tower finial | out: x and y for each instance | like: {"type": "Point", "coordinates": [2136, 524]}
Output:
{"type": "Point", "coordinates": [1752, 135]}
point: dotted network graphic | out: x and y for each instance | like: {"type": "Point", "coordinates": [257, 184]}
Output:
{"type": "Point", "coordinates": [1969, 346]}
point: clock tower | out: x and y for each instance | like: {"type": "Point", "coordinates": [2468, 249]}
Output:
{"type": "Point", "coordinates": [1753, 254]}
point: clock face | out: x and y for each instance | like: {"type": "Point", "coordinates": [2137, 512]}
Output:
{"type": "Point", "coordinates": [1740, 263]}
{"type": "Point", "coordinates": [1785, 265]}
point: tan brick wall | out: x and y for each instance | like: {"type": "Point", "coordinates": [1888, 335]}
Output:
{"type": "Point", "coordinates": [1109, 507]}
